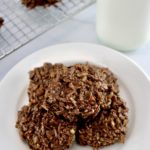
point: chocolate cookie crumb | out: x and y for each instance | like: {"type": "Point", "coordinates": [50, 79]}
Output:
{"type": "Point", "coordinates": [1, 22]}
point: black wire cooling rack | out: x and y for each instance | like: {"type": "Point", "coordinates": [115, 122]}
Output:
{"type": "Point", "coordinates": [23, 25]}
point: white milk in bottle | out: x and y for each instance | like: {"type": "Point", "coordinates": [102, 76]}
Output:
{"type": "Point", "coordinates": [123, 24]}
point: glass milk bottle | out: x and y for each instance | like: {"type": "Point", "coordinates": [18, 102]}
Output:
{"type": "Point", "coordinates": [123, 24]}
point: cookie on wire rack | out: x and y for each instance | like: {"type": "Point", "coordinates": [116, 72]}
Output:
{"type": "Point", "coordinates": [34, 3]}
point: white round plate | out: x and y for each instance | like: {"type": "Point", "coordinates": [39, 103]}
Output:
{"type": "Point", "coordinates": [134, 86]}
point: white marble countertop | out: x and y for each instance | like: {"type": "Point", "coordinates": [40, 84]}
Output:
{"type": "Point", "coordinates": [80, 28]}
